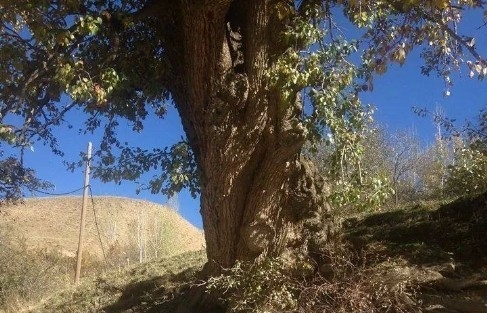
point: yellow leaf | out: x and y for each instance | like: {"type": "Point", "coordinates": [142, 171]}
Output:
{"type": "Point", "coordinates": [381, 68]}
{"type": "Point", "coordinates": [399, 55]}
{"type": "Point", "coordinates": [440, 4]}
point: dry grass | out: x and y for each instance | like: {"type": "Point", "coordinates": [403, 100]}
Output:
{"type": "Point", "coordinates": [53, 224]}
{"type": "Point", "coordinates": [28, 275]}
{"type": "Point", "coordinates": [39, 239]}
{"type": "Point", "coordinates": [148, 287]}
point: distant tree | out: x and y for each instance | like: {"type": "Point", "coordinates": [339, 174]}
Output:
{"type": "Point", "coordinates": [173, 202]}
{"type": "Point", "coordinates": [406, 158]}
{"type": "Point", "coordinates": [362, 186]}
{"type": "Point", "coordinates": [433, 168]}
{"type": "Point", "coordinates": [467, 175]}
{"type": "Point", "coordinates": [378, 152]}
{"type": "Point", "coordinates": [155, 234]}
{"type": "Point", "coordinates": [252, 80]}
{"type": "Point", "coordinates": [455, 164]}
{"type": "Point", "coordinates": [141, 232]}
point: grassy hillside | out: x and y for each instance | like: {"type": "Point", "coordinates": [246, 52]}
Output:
{"type": "Point", "coordinates": [39, 239]}
{"type": "Point", "coordinates": [432, 256]}
{"type": "Point", "coordinates": [123, 223]}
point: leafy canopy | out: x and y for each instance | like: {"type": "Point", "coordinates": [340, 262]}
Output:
{"type": "Point", "coordinates": [108, 60]}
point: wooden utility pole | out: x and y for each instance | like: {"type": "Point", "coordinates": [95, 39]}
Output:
{"type": "Point", "coordinates": [83, 215]}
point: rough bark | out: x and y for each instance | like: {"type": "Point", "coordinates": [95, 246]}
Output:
{"type": "Point", "coordinates": [259, 197]}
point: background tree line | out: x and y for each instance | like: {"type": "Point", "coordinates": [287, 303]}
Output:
{"type": "Point", "coordinates": [398, 167]}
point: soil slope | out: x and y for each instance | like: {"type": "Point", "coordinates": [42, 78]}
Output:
{"type": "Point", "coordinates": [440, 249]}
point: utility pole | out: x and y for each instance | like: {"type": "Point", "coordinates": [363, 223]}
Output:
{"type": "Point", "coordinates": [83, 215]}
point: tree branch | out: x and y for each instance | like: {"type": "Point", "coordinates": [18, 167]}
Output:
{"type": "Point", "coordinates": [455, 36]}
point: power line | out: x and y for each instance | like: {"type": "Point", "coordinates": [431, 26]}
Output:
{"type": "Point", "coordinates": [94, 212]}
{"type": "Point", "coordinates": [96, 224]}
{"type": "Point", "coordinates": [56, 194]}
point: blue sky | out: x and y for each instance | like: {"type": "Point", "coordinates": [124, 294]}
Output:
{"type": "Point", "coordinates": [394, 94]}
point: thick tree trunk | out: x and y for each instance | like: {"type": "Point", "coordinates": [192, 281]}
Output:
{"type": "Point", "coordinates": [259, 197]}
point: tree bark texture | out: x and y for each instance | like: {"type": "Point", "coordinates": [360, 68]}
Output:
{"type": "Point", "coordinates": [259, 197]}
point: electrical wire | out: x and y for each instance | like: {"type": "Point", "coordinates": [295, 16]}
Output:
{"type": "Point", "coordinates": [56, 194]}
{"type": "Point", "coordinates": [96, 224]}
{"type": "Point", "coordinates": [93, 207]}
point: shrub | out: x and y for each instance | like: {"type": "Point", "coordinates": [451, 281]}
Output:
{"type": "Point", "coordinates": [366, 195]}
{"type": "Point", "coordinates": [347, 283]}
{"type": "Point", "coordinates": [468, 174]}
{"type": "Point", "coordinates": [256, 287]}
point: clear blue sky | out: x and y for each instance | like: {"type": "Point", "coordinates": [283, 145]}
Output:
{"type": "Point", "coordinates": [394, 94]}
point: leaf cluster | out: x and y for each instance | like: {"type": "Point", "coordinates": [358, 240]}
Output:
{"type": "Point", "coordinates": [15, 179]}
{"type": "Point", "coordinates": [76, 55]}
{"type": "Point", "coordinates": [467, 175]}
{"type": "Point", "coordinates": [175, 167]}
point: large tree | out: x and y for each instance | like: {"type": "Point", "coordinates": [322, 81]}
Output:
{"type": "Point", "coordinates": [252, 81]}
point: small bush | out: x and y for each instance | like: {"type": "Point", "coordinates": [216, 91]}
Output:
{"type": "Point", "coordinates": [347, 284]}
{"type": "Point", "coordinates": [251, 287]}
